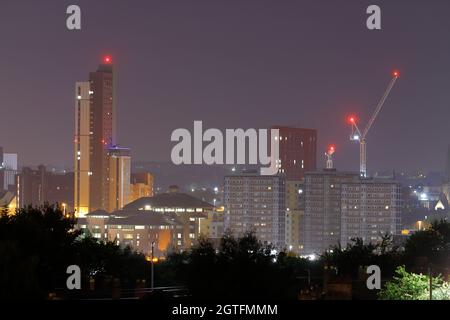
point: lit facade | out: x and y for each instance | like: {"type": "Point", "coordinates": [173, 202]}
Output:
{"type": "Point", "coordinates": [97, 184]}
{"type": "Point", "coordinates": [9, 201]}
{"type": "Point", "coordinates": [8, 169]}
{"type": "Point", "coordinates": [82, 150]}
{"type": "Point", "coordinates": [256, 203]}
{"type": "Point", "coordinates": [119, 178]}
{"type": "Point", "coordinates": [137, 229]}
{"type": "Point", "coordinates": [294, 214]}
{"type": "Point", "coordinates": [213, 226]}
{"type": "Point", "coordinates": [2, 168]}
{"type": "Point", "coordinates": [141, 185]}
{"type": "Point", "coordinates": [189, 214]}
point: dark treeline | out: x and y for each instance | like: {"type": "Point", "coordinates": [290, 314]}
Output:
{"type": "Point", "coordinates": [38, 244]}
{"type": "Point", "coordinates": [238, 268]}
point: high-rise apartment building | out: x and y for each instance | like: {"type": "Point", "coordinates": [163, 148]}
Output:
{"type": "Point", "coordinates": [340, 206]}
{"type": "Point", "coordinates": [10, 167]}
{"type": "Point", "coordinates": [322, 218]}
{"type": "Point", "coordinates": [95, 145]}
{"type": "Point", "coordinates": [371, 208]}
{"type": "Point", "coordinates": [297, 151]}
{"type": "Point", "coordinates": [37, 187]}
{"type": "Point", "coordinates": [103, 132]}
{"type": "Point", "coordinates": [256, 203]}
{"type": "Point", "coordinates": [82, 143]}
{"type": "Point", "coordinates": [295, 208]}
{"type": "Point", "coordinates": [8, 170]}
{"type": "Point", "coordinates": [2, 168]}
{"type": "Point", "coordinates": [119, 177]}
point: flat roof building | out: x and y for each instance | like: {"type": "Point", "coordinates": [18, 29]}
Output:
{"type": "Point", "coordinates": [340, 206]}
{"type": "Point", "coordinates": [297, 151]}
{"type": "Point", "coordinates": [256, 203]}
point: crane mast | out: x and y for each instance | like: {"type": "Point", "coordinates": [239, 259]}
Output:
{"type": "Point", "coordinates": [361, 136]}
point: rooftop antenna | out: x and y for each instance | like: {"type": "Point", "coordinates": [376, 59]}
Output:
{"type": "Point", "coordinates": [329, 155]}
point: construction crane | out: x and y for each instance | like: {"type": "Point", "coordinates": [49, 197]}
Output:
{"type": "Point", "coordinates": [357, 135]}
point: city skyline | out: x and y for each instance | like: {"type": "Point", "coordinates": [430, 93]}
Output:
{"type": "Point", "coordinates": [182, 152]}
{"type": "Point", "coordinates": [316, 72]}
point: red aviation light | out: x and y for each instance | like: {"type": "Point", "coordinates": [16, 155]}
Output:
{"type": "Point", "coordinates": [331, 149]}
{"type": "Point", "coordinates": [107, 59]}
{"type": "Point", "coordinates": [396, 73]}
{"type": "Point", "coordinates": [352, 119]}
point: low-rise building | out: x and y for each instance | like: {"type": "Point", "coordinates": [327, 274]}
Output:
{"type": "Point", "coordinates": [139, 230]}
{"type": "Point", "coordinates": [141, 185]}
{"type": "Point", "coordinates": [173, 220]}
{"type": "Point", "coordinates": [8, 202]}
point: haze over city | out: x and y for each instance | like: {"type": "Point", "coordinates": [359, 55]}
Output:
{"type": "Point", "coordinates": [231, 65]}
{"type": "Point", "coordinates": [213, 158]}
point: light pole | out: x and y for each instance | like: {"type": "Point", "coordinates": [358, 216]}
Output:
{"type": "Point", "coordinates": [309, 279]}
{"type": "Point", "coordinates": [152, 266]}
{"type": "Point", "coordinates": [431, 282]}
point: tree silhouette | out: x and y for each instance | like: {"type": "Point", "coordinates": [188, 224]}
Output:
{"type": "Point", "coordinates": [241, 268]}
{"type": "Point", "coordinates": [432, 244]}
{"type": "Point", "coordinates": [37, 244]}
{"type": "Point", "coordinates": [34, 244]}
{"type": "Point", "coordinates": [347, 261]}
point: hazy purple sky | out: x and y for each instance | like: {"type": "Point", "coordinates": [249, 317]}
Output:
{"type": "Point", "coordinates": [231, 64]}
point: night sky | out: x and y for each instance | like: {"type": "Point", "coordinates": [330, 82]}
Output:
{"type": "Point", "coordinates": [248, 63]}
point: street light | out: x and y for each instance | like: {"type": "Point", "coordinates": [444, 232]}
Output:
{"type": "Point", "coordinates": [152, 266]}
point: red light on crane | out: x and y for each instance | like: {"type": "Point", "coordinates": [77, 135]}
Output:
{"type": "Point", "coordinates": [396, 74]}
{"type": "Point", "coordinates": [331, 149]}
{"type": "Point", "coordinates": [352, 119]}
{"type": "Point", "coordinates": [107, 59]}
